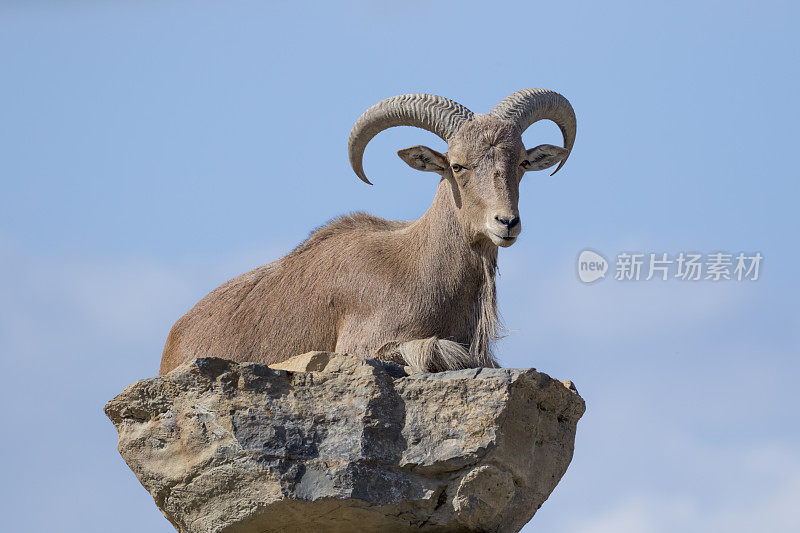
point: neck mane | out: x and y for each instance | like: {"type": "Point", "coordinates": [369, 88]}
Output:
{"type": "Point", "coordinates": [461, 262]}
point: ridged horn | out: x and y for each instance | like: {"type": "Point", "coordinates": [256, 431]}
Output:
{"type": "Point", "coordinates": [527, 106]}
{"type": "Point", "coordinates": [435, 114]}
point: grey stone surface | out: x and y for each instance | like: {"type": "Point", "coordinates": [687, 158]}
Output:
{"type": "Point", "coordinates": [352, 445]}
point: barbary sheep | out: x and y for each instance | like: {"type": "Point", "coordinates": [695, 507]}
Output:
{"type": "Point", "coordinates": [420, 293]}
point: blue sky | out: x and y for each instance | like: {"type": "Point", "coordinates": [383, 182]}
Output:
{"type": "Point", "coordinates": [151, 150]}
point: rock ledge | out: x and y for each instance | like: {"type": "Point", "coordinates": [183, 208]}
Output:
{"type": "Point", "coordinates": [329, 442]}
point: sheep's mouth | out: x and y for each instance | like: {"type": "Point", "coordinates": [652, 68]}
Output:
{"type": "Point", "coordinates": [500, 240]}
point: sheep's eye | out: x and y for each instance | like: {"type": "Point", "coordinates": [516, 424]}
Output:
{"type": "Point", "coordinates": [456, 168]}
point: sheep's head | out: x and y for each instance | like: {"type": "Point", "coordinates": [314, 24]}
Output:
{"type": "Point", "coordinates": [486, 158]}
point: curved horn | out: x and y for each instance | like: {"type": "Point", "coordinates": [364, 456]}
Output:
{"type": "Point", "coordinates": [436, 114]}
{"type": "Point", "coordinates": [527, 106]}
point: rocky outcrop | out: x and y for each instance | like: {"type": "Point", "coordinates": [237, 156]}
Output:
{"type": "Point", "coordinates": [329, 442]}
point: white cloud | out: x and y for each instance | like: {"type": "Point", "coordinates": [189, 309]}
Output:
{"type": "Point", "coordinates": [124, 299]}
{"type": "Point", "coordinates": [747, 489]}
{"type": "Point", "coordinates": [765, 501]}
{"type": "Point", "coordinates": [555, 302]}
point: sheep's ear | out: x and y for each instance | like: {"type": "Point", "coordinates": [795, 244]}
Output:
{"type": "Point", "coordinates": [423, 158]}
{"type": "Point", "coordinates": [544, 156]}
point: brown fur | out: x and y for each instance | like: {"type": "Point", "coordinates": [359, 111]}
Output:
{"type": "Point", "coordinates": [419, 293]}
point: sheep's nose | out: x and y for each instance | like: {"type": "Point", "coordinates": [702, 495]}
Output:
{"type": "Point", "coordinates": [508, 222]}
